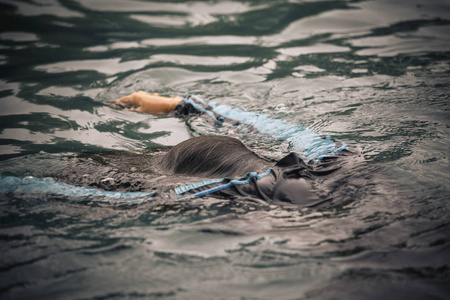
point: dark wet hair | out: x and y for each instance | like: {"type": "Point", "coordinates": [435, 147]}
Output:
{"type": "Point", "coordinates": [212, 156]}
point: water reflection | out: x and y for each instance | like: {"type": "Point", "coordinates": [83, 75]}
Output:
{"type": "Point", "coordinates": [424, 40]}
{"type": "Point", "coordinates": [372, 73]}
{"type": "Point", "coordinates": [107, 66]}
{"type": "Point", "coordinates": [42, 7]}
{"type": "Point", "coordinates": [19, 36]}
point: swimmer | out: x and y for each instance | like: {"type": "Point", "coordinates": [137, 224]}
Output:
{"type": "Point", "coordinates": [225, 158]}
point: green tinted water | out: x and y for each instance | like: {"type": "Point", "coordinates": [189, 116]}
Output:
{"type": "Point", "coordinates": [372, 73]}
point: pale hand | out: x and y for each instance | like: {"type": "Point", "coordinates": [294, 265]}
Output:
{"type": "Point", "coordinates": [147, 102]}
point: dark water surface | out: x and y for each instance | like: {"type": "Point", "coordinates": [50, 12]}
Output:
{"type": "Point", "coordinates": [375, 74]}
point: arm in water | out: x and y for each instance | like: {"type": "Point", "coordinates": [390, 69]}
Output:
{"type": "Point", "coordinates": [302, 140]}
{"type": "Point", "coordinates": [289, 180]}
{"type": "Point", "coordinates": [147, 102]}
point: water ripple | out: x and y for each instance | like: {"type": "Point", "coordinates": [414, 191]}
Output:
{"type": "Point", "coordinates": [372, 73]}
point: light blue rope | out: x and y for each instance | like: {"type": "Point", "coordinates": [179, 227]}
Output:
{"type": "Point", "coordinates": [228, 185]}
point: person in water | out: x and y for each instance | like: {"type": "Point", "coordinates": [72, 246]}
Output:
{"type": "Point", "coordinates": [226, 158]}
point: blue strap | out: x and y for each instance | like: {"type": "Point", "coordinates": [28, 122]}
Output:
{"type": "Point", "coordinates": [230, 184]}
{"type": "Point", "coordinates": [188, 187]}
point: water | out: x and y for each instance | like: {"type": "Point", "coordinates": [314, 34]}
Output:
{"type": "Point", "coordinates": [374, 74]}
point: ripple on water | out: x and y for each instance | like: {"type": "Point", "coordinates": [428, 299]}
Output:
{"type": "Point", "coordinates": [372, 73]}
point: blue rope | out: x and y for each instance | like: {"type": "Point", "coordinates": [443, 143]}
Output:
{"type": "Point", "coordinates": [228, 185]}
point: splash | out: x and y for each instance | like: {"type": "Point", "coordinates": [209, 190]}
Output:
{"type": "Point", "coordinates": [304, 141]}
{"type": "Point", "coordinates": [31, 186]}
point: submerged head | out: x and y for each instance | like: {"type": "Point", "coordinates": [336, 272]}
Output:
{"type": "Point", "coordinates": [212, 156]}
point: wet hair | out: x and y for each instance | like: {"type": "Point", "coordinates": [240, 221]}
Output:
{"type": "Point", "coordinates": [212, 156]}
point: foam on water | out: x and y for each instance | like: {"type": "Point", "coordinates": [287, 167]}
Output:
{"type": "Point", "coordinates": [374, 74]}
{"type": "Point", "coordinates": [303, 140]}
{"type": "Point", "coordinates": [32, 187]}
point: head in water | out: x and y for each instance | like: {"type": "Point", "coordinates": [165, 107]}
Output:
{"type": "Point", "coordinates": [212, 156]}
